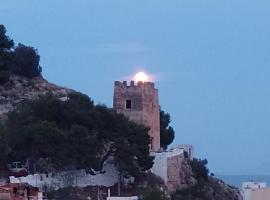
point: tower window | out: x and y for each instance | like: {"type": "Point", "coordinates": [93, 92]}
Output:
{"type": "Point", "coordinates": [128, 104]}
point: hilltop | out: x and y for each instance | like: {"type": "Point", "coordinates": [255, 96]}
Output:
{"type": "Point", "coordinates": [54, 129]}
{"type": "Point", "coordinates": [20, 74]}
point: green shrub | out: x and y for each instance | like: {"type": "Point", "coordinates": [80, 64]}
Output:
{"type": "Point", "coordinates": [166, 131]}
{"type": "Point", "coordinates": [6, 45]}
{"type": "Point", "coordinates": [154, 194]}
{"type": "Point", "coordinates": [199, 169]}
{"type": "Point", "coordinates": [4, 77]}
{"type": "Point", "coordinates": [23, 60]}
{"type": "Point", "coordinates": [26, 61]}
{"type": "Point", "coordinates": [5, 42]}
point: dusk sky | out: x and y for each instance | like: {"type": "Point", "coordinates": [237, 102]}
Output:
{"type": "Point", "coordinates": [210, 58]}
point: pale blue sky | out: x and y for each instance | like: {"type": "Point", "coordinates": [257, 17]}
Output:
{"type": "Point", "coordinates": [212, 58]}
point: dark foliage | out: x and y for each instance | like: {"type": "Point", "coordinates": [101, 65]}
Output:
{"type": "Point", "coordinates": [6, 45]}
{"type": "Point", "coordinates": [191, 193]}
{"type": "Point", "coordinates": [4, 149]}
{"type": "Point", "coordinates": [166, 131]}
{"type": "Point", "coordinates": [5, 42]}
{"type": "Point", "coordinates": [26, 61]}
{"type": "Point", "coordinates": [76, 133]}
{"type": "Point", "coordinates": [199, 169]}
{"type": "Point", "coordinates": [4, 76]}
{"type": "Point", "coordinates": [154, 194]}
{"type": "Point", "coordinates": [21, 60]}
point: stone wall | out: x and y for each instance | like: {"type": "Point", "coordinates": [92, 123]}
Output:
{"type": "Point", "coordinates": [174, 171]}
{"type": "Point", "coordinates": [168, 165]}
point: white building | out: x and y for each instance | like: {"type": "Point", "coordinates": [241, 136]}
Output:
{"type": "Point", "coordinates": [189, 148]}
{"type": "Point", "coordinates": [255, 191]}
{"type": "Point", "coordinates": [123, 198]}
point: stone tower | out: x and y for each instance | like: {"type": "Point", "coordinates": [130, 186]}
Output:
{"type": "Point", "coordinates": [139, 102]}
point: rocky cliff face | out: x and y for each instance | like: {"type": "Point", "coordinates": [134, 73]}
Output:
{"type": "Point", "coordinates": [186, 175]}
{"type": "Point", "coordinates": [209, 189]}
{"type": "Point", "coordinates": [218, 190]}
{"type": "Point", "coordinates": [19, 88]}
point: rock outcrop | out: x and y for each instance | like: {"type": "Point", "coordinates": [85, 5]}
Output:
{"type": "Point", "coordinates": [204, 189]}
{"type": "Point", "coordinates": [19, 88]}
{"type": "Point", "coordinates": [216, 189]}
{"type": "Point", "coordinates": [186, 176]}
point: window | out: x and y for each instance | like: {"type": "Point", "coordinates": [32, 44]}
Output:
{"type": "Point", "coordinates": [128, 104]}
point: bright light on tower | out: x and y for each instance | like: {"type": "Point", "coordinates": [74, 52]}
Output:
{"type": "Point", "coordinates": [141, 76]}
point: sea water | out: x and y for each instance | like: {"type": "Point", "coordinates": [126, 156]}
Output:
{"type": "Point", "coordinates": [237, 180]}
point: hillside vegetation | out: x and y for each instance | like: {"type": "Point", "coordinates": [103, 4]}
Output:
{"type": "Point", "coordinates": [74, 133]}
{"type": "Point", "coordinates": [52, 128]}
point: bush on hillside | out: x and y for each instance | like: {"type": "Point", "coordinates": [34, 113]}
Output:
{"type": "Point", "coordinates": [21, 60]}
{"type": "Point", "coordinates": [4, 77]}
{"type": "Point", "coordinates": [6, 45]}
{"type": "Point", "coordinates": [199, 169]}
{"type": "Point", "coordinates": [154, 194]}
{"type": "Point", "coordinates": [26, 61]}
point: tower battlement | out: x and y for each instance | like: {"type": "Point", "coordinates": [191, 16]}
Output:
{"type": "Point", "coordinates": [139, 102]}
{"type": "Point", "coordinates": [134, 84]}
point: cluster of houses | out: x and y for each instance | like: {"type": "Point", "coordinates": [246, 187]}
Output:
{"type": "Point", "coordinates": [255, 191]}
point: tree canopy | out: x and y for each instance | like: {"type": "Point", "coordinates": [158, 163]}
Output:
{"type": "Point", "coordinates": [4, 149]}
{"type": "Point", "coordinates": [26, 61]}
{"type": "Point", "coordinates": [6, 45]}
{"type": "Point", "coordinates": [21, 60]}
{"type": "Point", "coordinates": [76, 133]}
{"type": "Point", "coordinates": [166, 131]}
{"type": "Point", "coordinates": [154, 194]}
{"type": "Point", "coordinates": [5, 42]}
{"type": "Point", "coordinates": [199, 169]}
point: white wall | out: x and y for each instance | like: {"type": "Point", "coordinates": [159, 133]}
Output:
{"type": "Point", "coordinates": [123, 198]}
{"type": "Point", "coordinates": [160, 166]}
{"type": "Point", "coordinates": [81, 179]}
{"type": "Point", "coordinates": [71, 178]}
